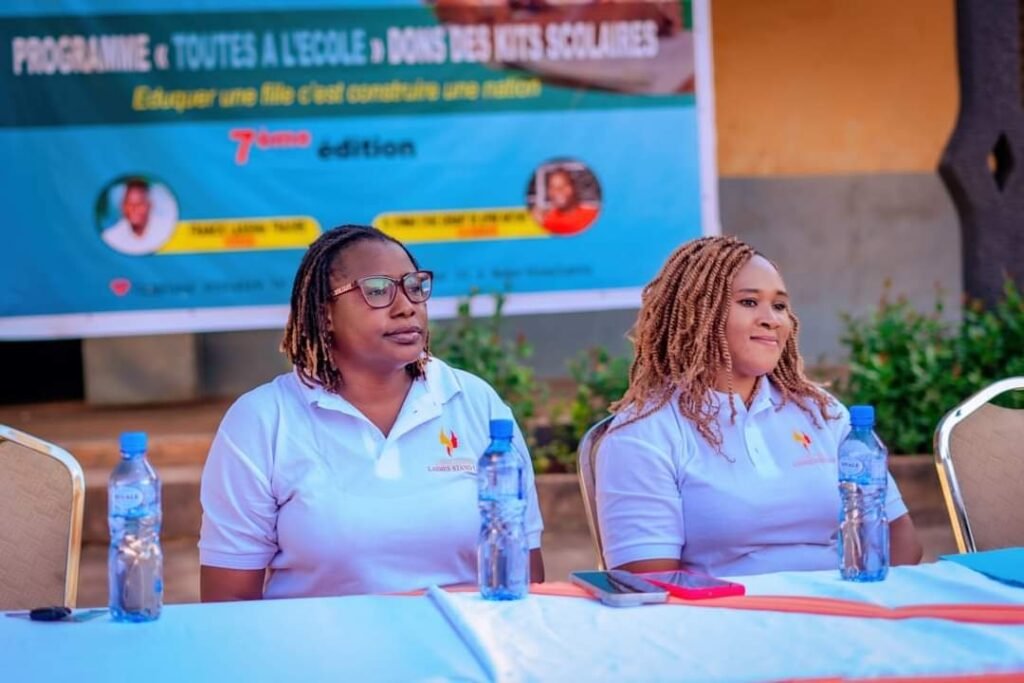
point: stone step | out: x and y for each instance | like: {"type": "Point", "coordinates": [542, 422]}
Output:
{"type": "Point", "coordinates": [918, 481]}
{"type": "Point", "coordinates": [181, 510]}
{"type": "Point", "coordinates": [164, 450]}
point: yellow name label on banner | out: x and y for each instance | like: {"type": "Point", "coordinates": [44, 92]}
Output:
{"type": "Point", "coordinates": [242, 234]}
{"type": "Point", "coordinates": [460, 225]}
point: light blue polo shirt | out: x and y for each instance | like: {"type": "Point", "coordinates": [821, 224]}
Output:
{"type": "Point", "coordinates": [300, 482]}
{"type": "Point", "coordinates": [771, 503]}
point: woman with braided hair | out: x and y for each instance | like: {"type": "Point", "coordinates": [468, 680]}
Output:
{"type": "Point", "coordinates": [721, 456]}
{"type": "Point", "coordinates": [356, 472]}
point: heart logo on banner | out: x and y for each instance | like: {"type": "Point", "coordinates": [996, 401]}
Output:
{"type": "Point", "coordinates": [120, 286]}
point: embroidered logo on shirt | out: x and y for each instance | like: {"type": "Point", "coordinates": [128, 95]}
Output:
{"type": "Point", "coordinates": [809, 458]}
{"type": "Point", "coordinates": [449, 441]}
{"type": "Point", "coordinates": [452, 464]}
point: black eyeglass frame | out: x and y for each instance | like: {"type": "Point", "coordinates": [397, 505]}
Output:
{"type": "Point", "coordinates": [397, 282]}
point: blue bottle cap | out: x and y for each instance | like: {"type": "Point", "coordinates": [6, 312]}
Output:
{"type": "Point", "coordinates": [133, 443]}
{"type": "Point", "coordinates": [862, 416]}
{"type": "Point", "coordinates": [501, 429]}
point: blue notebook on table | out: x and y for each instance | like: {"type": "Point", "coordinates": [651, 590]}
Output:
{"type": "Point", "coordinates": [1005, 565]}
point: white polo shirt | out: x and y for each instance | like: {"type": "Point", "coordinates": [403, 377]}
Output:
{"type": "Point", "coordinates": [300, 482]}
{"type": "Point", "coordinates": [122, 238]}
{"type": "Point", "coordinates": [664, 492]}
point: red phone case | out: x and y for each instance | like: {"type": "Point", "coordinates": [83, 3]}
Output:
{"type": "Point", "coordinates": [720, 588]}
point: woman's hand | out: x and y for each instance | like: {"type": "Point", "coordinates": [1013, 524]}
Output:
{"type": "Point", "coordinates": [904, 547]}
{"type": "Point", "coordinates": [660, 565]}
{"type": "Point", "coordinates": [217, 584]}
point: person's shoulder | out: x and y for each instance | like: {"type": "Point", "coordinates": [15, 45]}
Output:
{"type": "Point", "coordinates": [652, 433]}
{"type": "Point", "coordinates": [834, 411]}
{"type": "Point", "coordinates": [837, 408]}
{"type": "Point", "coordinates": [834, 408]}
{"type": "Point", "coordinates": [113, 230]}
{"type": "Point", "coordinates": [265, 402]}
{"type": "Point", "coordinates": [650, 421]}
{"type": "Point", "coordinates": [449, 381]}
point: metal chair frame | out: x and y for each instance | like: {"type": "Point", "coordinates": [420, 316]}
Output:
{"type": "Point", "coordinates": [944, 458]}
{"type": "Point", "coordinates": [74, 549]}
{"type": "Point", "coordinates": [586, 461]}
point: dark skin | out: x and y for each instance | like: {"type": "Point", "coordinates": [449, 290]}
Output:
{"type": "Point", "coordinates": [372, 347]}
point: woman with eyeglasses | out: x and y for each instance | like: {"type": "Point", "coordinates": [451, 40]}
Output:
{"type": "Point", "coordinates": [356, 472]}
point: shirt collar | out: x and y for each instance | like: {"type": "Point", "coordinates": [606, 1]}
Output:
{"type": "Point", "coordinates": [766, 396]}
{"type": "Point", "coordinates": [438, 387]}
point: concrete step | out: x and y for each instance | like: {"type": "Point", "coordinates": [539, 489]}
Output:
{"type": "Point", "coordinates": [178, 434]}
{"type": "Point", "coordinates": [918, 481]}
{"type": "Point", "coordinates": [164, 450]}
{"type": "Point", "coordinates": [181, 510]}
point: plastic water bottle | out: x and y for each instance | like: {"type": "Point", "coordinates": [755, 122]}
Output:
{"type": "Point", "coordinates": [863, 478]}
{"type": "Point", "coordinates": [503, 555]}
{"type": "Point", "coordinates": [135, 564]}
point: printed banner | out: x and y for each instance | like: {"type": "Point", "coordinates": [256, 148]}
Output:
{"type": "Point", "coordinates": [165, 168]}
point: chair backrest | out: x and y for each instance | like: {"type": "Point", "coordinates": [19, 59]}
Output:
{"type": "Point", "coordinates": [979, 453]}
{"type": "Point", "coordinates": [586, 465]}
{"type": "Point", "coordinates": [42, 499]}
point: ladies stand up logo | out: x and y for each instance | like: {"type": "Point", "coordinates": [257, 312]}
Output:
{"type": "Point", "coordinates": [809, 457]}
{"type": "Point", "coordinates": [450, 443]}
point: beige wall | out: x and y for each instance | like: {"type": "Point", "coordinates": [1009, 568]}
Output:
{"type": "Point", "coordinates": [808, 87]}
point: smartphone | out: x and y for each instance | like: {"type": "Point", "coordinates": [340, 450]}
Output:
{"type": "Point", "coordinates": [619, 588]}
{"type": "Point", "coordinates": [692, 585]}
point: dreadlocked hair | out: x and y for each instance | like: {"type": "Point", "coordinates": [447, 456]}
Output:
{"type": "Point", "coordinates": [681, 345]}
{"type": "Point", "coordinates": [307, 336]}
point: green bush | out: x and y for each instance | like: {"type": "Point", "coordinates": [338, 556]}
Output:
{"type": "Point", "coordinates": [914, 367]}
{"type": "Point", "coordinates": [600, 380]}
{"type": "Point", "coordinates": [476, 345]}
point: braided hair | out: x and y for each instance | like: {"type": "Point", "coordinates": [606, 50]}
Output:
{"type": "Point", "coordinates": [307, 336]}
{"type": "Point", "coordinates": [681, 344]}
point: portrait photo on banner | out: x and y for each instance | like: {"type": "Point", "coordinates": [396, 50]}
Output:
{"type": "Point", "coordinates": [136, 214]}
{"type": "Point", "coordinates": [564, 196]}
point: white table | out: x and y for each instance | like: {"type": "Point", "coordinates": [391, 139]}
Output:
{"type": "Point", "coordinates": [461, 637]}
{"type": "Point", "coordinates": [566, 639]}
{"type": "Point", "coordinates": [358, 638]}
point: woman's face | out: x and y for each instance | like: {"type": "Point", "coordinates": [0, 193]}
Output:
{"type": "Point", "coordinates": [560, 190]}
{"type": "Point", "coordinates": [380, 340]}
{"type": "Point", "coordinates": [758, 322]}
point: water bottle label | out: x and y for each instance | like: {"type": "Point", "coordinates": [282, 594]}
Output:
{"type": "Point", "coordinates": [850, 468]}
{"type": "Point", "coordinates": [126, 499]}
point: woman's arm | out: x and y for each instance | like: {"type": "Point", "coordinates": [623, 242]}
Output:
{"type": "Point", "coordinates": [217, 584]}
{"type": "Point", "coordinates": [904, 547]}
{"type": "Point", "coordinates": [660, 565]}
{"type": "Point", "coordinates": [639, 507]}
{"type": "Point", "coordinates": [238, 534]}
{"type": "Point", "coordinates": [536, 566]}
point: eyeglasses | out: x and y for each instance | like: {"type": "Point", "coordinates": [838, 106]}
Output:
{"type": "Point", "coordinates": [379, 291]}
